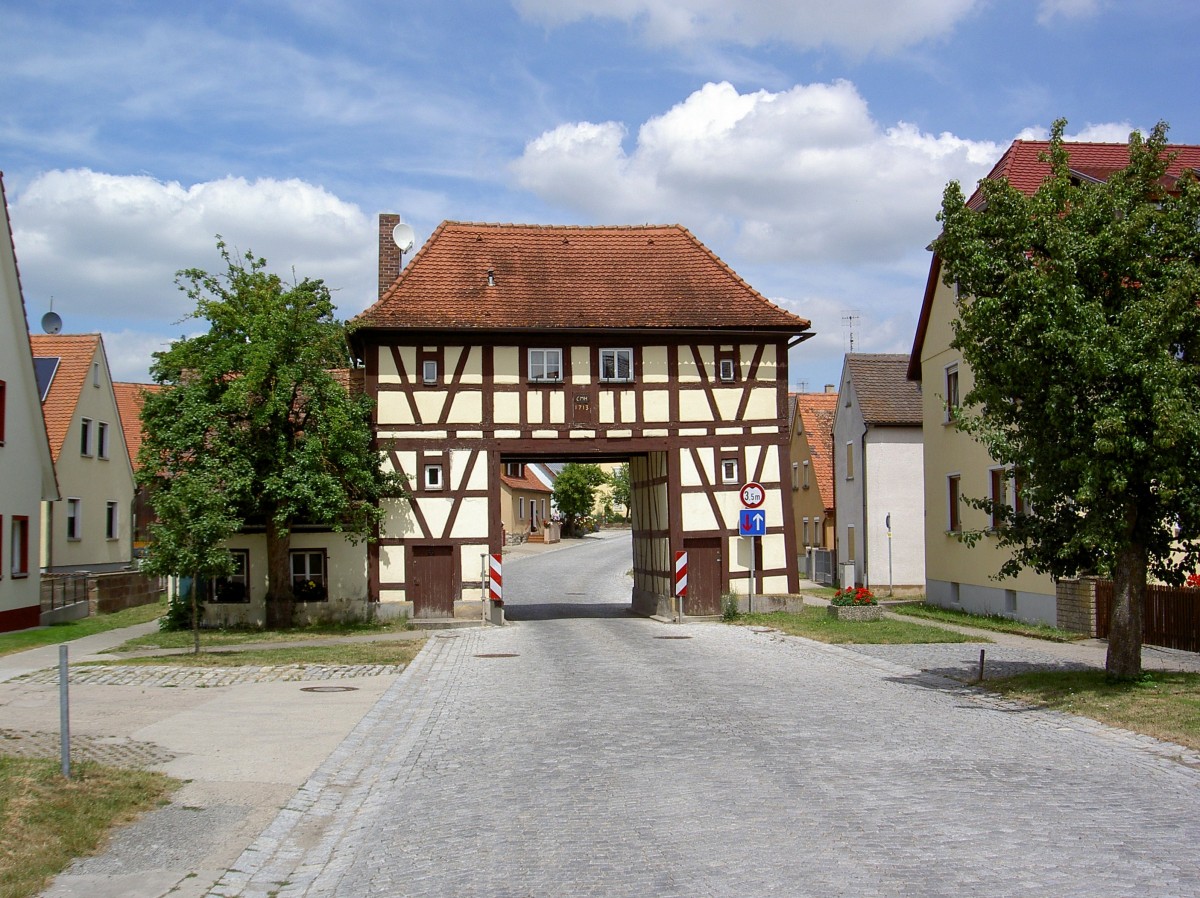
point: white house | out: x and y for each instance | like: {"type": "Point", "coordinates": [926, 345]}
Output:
{"type": "Point", "coordinates": [878, 474]}
{"type": "Point", "coordinates": [26, 468]}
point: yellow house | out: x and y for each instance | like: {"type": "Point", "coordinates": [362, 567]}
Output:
{"type": "Point", "coordinates": [811, 418]}
{"type": "Point", "coordinates": [956, 466]}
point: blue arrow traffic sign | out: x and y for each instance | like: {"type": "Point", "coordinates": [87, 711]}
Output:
{"type": "Point", "coordinates": [752, 522]}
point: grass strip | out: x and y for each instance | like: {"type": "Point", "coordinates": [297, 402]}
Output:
{"type": "Point", "coordinates": [48, 821]}
{"type": "Point", "coordinates": [816, 623]}
{"type": "Point", "coordinates": [986, 622]}
{"type": "Point", "coordinates": [398, 653]}
{"type": "Point", "coordinates": [1162, 704]}
{"type": "Point", "coordinates": [89, 626]}
{"type": "Point", "coordinates": [214, 638]}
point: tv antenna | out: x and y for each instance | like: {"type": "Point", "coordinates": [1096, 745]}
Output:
{"type": "Point", "coordinates": [850, 321]}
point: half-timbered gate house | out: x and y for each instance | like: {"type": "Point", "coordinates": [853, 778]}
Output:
{"type": "Point", "coordinates": [502, 343]}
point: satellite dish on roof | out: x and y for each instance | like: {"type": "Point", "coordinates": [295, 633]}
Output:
{"type": "Point", "coordinates": [51, 323]}
{"type": "Point", "coordinates": [404, 237]}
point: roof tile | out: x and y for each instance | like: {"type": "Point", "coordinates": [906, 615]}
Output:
{"type": "Point", "coordinates": [76, 352]}
{"type": "Point", "coordinates": [886, 397]}
{"type": "Point", "coordinates": [817, 411]}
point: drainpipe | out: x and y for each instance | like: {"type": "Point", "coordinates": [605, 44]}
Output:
{"type": "Point", "coordinates": [866, 525]}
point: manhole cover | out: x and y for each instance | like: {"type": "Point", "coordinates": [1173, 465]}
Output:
{"type": "Point", "coordinates": [329, 689]}
{"type": "Point", "coordinates": [672, 637]}
{"type": "Point", "coordinates": [498, 655]}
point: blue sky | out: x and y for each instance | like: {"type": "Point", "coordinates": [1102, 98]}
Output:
{"type": "Point", "coordinates": [805, 142]}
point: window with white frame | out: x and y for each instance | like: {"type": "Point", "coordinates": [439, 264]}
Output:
{"type": "Point", "coordinates": [953, 498]}
{"type": "Point", "coordinates": [545, 365]}
{"type": "Point", "coordinates": [952, 399]}
{"type": "Point", "coordinates": [616, 365]}
{"type": "Point", "coordinates": [19, 548]}
{"type": "Point", "coordinates": [795, 475]}
{"type": "Point", "coordinates": [514, 469]}
{"type": "Point", "coordinates": [112, 521]}
{"type": "Point", "coordinates": [74, 519]}
{"type": "Point", "coordinates": [429, 371]}
{"type": "Point", "coordinates": [1000, 483]}
{"type": "Point", "coordinates": [726, 370]}
{"type": "Point", "coordinates": [308, 576]}
{"type": "Point", "coordinates": [433, 477]}
{"type": "Point", "coordinates": [818, 533]}
{"type": "Point", "coordinates": [101, 440]}
{"type": "Point", "coordinates": [804, 478]}
{"type": "Point", "coordinates": [85, 436]}
{"type": "Point", "coordinates": [233, 588]}
{"type": "Point", "coordinates": [521, 506]}
{"type": "Point", "coordinates": [729, 470]}
{"type": "Point", "coordinates": [806, 538]}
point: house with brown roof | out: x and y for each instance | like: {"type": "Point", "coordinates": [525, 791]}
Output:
{"type": "Point", "coordinates": [955, 465]}
{"type": "Point", "coordinates": [26, 466]}
{"type": "Point", "coordinates": [877, 473]}
{"type": "Point", "coordinates": [506, 344]}
{"type": "Point", "coordinates": [88, 529]}
{"type": "Point", "coordinates": [811, 417]}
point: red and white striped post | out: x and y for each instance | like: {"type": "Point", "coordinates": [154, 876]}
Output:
{"type": "Point", "coordinates": [495, 580]}
{"type": "Point", "coordinates": [680, 583]}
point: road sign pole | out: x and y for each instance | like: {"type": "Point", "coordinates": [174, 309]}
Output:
{"type": "Point", "coordinates": [750, 597]}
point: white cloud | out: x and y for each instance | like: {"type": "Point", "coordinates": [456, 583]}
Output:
{"type": "Point", "coordinates": [800, 175]}
{"type": "Point", "coordinates": [857, 26]}
{"type": "Point", "coordinates": [1104, 132]}
{"type": "Point", "coordinates": [106, 247]}
{"type": "Point", "coordinates": [1049, 10]}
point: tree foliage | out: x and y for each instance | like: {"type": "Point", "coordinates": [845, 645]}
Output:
{"type": "Point", "coordinates": [1077, 314]}
{"type": "Point", "coordinates": [622, 493]}
{"type": "Point", "coordinates": [575, 491]}
{"type": "Point", "coordinates": [252, 413]}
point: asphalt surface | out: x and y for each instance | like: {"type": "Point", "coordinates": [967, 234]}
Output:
{"type": "Point", "coordinates": [585, 751]}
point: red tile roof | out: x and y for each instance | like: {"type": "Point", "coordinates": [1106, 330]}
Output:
{"type": "Point", "coordinates": [75, 352]}
{"type": "Point", "coordinates": [129, 405]}
{"type": "Point", "coordinates": [886, 397]}
{"type": "Point", "coordinates": [817, 411]}
{"type": "Point", "coordinates": [529, 277]}
{"type": "Point", "coordinates": [1020, 165]}
{"type": "Point", "coordinates": [527, 481]}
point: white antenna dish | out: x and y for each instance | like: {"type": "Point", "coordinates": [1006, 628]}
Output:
{"type": "Point", "coordinates": [51, 323]}
{"type": "Point", "coordinates": [404, 237]}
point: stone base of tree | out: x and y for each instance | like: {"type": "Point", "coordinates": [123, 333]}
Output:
{"type": "Point", "coordinates": [856, 612]}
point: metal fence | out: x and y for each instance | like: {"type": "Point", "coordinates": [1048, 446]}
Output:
{"type": "Point", "coordinates": [821, 566]}
{"type": "Point", "coordinates": [61, 590]}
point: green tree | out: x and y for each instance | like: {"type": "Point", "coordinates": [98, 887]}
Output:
{"type": "Point", "coordinates": [257, 392]}
{"type": "Point", "coordinates": [621, 491]}
{"type": "Point", "coordinates": [1077, 314]}
{"type": "Point", "coordinates": [575, 491]}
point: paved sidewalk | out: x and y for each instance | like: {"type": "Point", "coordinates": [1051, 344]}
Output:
{"type": "Point", "coordinates": [618, 757]}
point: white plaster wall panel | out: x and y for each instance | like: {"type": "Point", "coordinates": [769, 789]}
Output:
{"type": "Point", "coordinates": [689, 474]}
{"type": "Point", "coordinates": [471, 568]}
{"type": "Point", "coordinates": [606, 407]}
{"type": "Point", "coordinates": [619, 434]}
{"type": "Point", "coordinates": [479, 473]}
{"type": "Point", "coordinates": [895, 485]}
{"type": "Point", "coordinates": [430, 404]}
{"type": "Point", "coordinates": [558, 407]}
{"type": "Point", "coordinates": [393, 409]}
{"type": "Point", "coordinates": [654, 365]}
{"type": "Point", "coordinates": [533, 408]}
{"type": "Point", "coordinates": [762, 404]}
{"type": "Point", "coordinates": [728, 401]}
{"type": "Point", "coordinates": [408, 462]}
{"type": "Point", "coordinates": [467, 408]}
{"type": "Point", "coordinates": [473, 370]}
{"type": "Point", "coordinates": [472, 520]}
{"type": "Point", "coordinates": [398, 520]}
{"type": "Point", "coordinates": [656, 405]}
{"type": "Point", "coordinates": [698, 513]}
{"type": "Point", "coordinates": [506, 408]}
{"type": "Point", "coordinates": [693, 406]}
{"type": "Point", "coordinates": [408, 358]}
{"type": "Point", "coordinates": [583, 434]}
{"type": "Point", "coordinates": [545, 434]}
{"type": "Point", "coordinates": [436, 512]}
{"type": "Point", "coordinates": [629, 405]}
{"type": "Point", "coordinates": [688, 372]}
{"type": "Point", "coordinates": [387, 366]}
{"type": "Point", "coordinates": [506, 365]}
{"type": "Point", "coordinates": [581, 368]}
{"type": "Point", "coordinates": [391, 564]}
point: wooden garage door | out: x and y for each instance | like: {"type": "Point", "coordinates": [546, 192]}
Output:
{"type": "Point", "coordinates": [705, 580]}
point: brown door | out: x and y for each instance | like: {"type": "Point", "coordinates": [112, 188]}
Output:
{"type": "Point", "coordinates": [432, 583]}
{"type": "Point", "coordinates": [705, 580]}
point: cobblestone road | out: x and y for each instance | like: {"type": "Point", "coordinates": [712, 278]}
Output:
{"type": "Point", "coordinates": [593, 757]}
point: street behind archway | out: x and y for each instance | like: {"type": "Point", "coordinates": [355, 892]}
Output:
{"type": "Point", "coordinates": [599, 756]}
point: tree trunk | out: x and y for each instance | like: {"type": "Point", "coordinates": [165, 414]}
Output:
{"type": "Point", "coordinates": [1124, 659]}
{"type": "Point", "coordinates": [281, 601]}
{"type": "Point", "coordinates": [195, 614]}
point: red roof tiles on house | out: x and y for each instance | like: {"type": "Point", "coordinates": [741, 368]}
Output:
{"type": "Point", "coordinates": [75, 352]}
{"type": "Point", "coordinates": [530, 277]}
{"type": "Point", "coordinates": [1021, 166]}
{"type": "Point", "coordinates": [817, 411]}
{"type": "Point", "coordinates": [129, 405]}
{"type": "Point", "coordinates": [527, 481]}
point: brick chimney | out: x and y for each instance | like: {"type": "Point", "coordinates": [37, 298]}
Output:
{"type": "Point", "coordinates": [389, 253]}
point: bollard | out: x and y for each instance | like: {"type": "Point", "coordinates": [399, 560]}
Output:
{"type": "Point", "coordinates": [981, 652]}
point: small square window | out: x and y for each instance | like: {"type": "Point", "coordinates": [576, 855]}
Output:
{"type": "Point", "coordinates": [429, 371]}
{"type": "Point", "coordinates": [433, 477]}
{"type": "Point", "coordinates": [726, 370]}
{"type": "Point", "coordinates": [545, 365]}
{"type": "Point", "coordinates": [616, 365]}
{"type": "Point", "coordinates": [729, 470]}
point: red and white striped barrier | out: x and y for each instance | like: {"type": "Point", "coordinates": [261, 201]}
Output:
{"type": "Point", "coordinates": [681, 573]}
{"type": "Point", "coordinates": [495, 580]}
